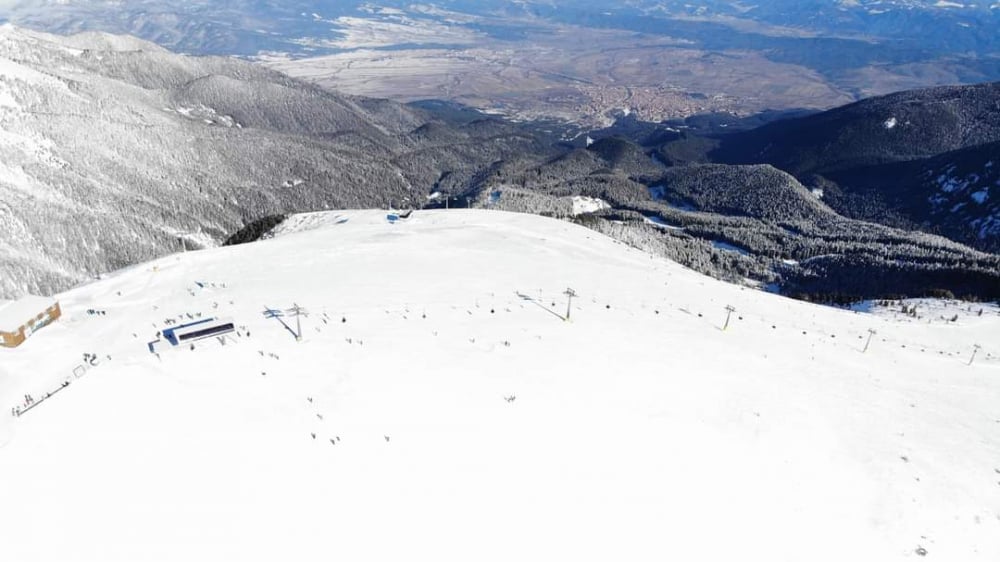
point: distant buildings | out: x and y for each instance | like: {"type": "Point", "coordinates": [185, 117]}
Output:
{"type": "Point", "coordinates": [21, 318]}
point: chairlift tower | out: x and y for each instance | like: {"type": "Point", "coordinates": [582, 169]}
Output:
{"type": "Point", "coordinates": [272, 313]}
{"type": "Point", "coordinates": [730, 309]}
{"type": "Point", "coordinates": [298, 312]}
{"type": "Point", "coordinates": [570, 293]}
{"type": "Point", "coordinates": [871, 333]}
{"type": "Point", "coordinates": [975, 350]}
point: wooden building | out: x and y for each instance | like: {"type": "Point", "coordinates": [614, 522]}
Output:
{"type": "Point", "coordinates": [23, 317]}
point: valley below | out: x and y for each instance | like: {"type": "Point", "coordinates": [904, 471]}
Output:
{"type": "Point", "coordinates": [579, 76]}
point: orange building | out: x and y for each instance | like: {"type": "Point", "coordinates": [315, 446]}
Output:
{"type": "Point", "coordinates": [23, 317]}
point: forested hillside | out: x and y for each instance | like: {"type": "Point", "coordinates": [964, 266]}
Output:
{"type": "Point", "coordinates": [920, 160]}
{"type": "Point", "coordinates": [113, 151]}
{"type": "Point", "coordinates": [750, 224]}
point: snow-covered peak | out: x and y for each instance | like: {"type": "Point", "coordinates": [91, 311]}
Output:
{"type": "Point", "coordinates": [94, 40]}
{"type": "Point", "coordinates": [438, 403]}
{"type": "Point", "coordinates": [100, 41]}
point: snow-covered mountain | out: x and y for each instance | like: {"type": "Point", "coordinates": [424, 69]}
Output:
{"type": "Point", "coordinates": [114, 151]}
{"type": "Point", "coordinates": [918, 159]}
{"type": "Point", "coordinates": [968, 190]}
{"type": "Point", "coordinates": [439, 406]}
{"type": "Point", "coordinates": [956, 193]}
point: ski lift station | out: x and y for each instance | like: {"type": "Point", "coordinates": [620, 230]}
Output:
{"type": "Point", "coordinates": [394, 217]}
{"type": "Point", "coordinates": [25, 316]}
{"type": "Point", "coordinates": [194, 331]}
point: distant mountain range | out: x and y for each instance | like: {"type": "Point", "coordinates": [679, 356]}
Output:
{"type": "Point", "coordinates": [694, 57]}
{"type": "Point", "coordinates": [247, 27]}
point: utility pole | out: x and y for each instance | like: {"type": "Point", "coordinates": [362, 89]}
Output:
{"type": "Point", "coordinates": [871, 333]}
{"type": "Point", "coordinates": [570, 293]}
{"type": "Point", "coordinates": [975, 350]}
{"type": "Point", "coordinates": [730, 309]}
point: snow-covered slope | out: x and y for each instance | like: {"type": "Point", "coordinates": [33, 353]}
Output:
{"type": "Point", "coordinates": [114, 151]}
{"type": "Point", "coordinates": [438, 407]}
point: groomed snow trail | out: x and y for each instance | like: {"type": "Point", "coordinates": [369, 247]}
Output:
{"type": "Point", "coordinates": [429, 412]}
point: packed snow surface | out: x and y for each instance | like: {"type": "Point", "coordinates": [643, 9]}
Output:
{"type": "Point", "coordinates": [438, 406]}
{"type": "Point", "coordinates": [658, 222]}
{"type": "Point", "coordinates": [582, 205]}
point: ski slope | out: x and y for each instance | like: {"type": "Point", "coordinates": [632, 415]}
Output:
{"type": "Point", "coordinates": [438, 407]}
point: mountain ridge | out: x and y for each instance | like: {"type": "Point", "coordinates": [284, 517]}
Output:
{"type": "Point", "coordinates": [887, 159]}
{"type": "Point", "coordinates": [897, 127]}
{"type": "Point", "coordinates": [112, 157]}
